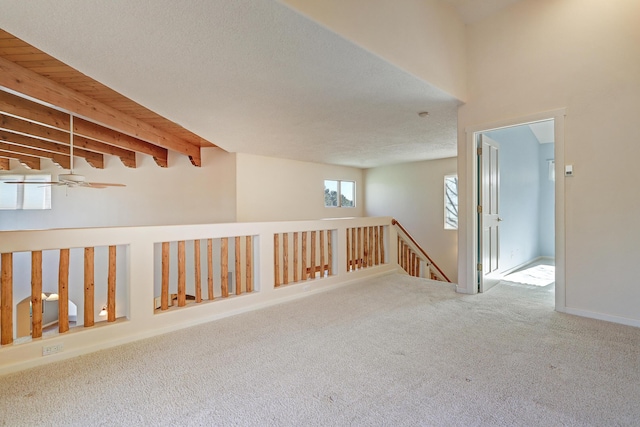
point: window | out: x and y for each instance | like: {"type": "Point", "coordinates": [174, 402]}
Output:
{"type": "Point", "coordinates": [346, 190]}
{"type": "Point", "coordinates": [21, 196]}
{"type": "Point", "coordinates": [451, 202]}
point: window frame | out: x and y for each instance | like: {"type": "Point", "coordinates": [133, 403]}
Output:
{"type": "Point", "coordinates": [339, 193]}
{"type": "Point", "coordinates": [22, 191]}
{"type": "Point", "coordinates": [448, 202]}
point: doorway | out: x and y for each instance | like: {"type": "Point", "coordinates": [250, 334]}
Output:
{"type": "Point", "coordinates": [469, 254]}
{"type": "Point", "coordinates": [516, 172]}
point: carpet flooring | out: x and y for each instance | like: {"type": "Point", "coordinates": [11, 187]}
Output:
{"type": "Point", "coordinates": [390, 351]}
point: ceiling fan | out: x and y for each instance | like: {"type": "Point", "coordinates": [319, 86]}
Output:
{"type": "Point", "coordinates": [70, 179]}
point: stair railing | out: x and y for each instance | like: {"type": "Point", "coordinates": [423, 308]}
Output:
{"type": "Point", "coordinates": [409, 259]}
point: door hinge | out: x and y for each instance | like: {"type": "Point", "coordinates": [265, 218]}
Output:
{"type": "Point", "coordinates": [479, 209]}
{"type": "Point", "coordinates": [479, 267]}
{"type": "Point", "coordinates": [479, 151]}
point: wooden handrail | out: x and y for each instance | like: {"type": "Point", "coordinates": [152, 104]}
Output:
{"type": "Point", "coordinates": [396, 223]}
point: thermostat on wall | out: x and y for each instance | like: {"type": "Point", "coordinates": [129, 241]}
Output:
{"type": "Point", "coordinates": [568, 170]}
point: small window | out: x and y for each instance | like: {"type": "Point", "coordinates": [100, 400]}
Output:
{"type": "Point", "coordinates": [339, 194]}
{"type": "Point", "coordinates": [21, 196]}
{"type": "Point", "coordinates": [451, 202]}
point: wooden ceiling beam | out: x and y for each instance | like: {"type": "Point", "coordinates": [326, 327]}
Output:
{"type": "Point", "coordinates": [22, 107]}
{"type": "Point", "coordinates": [14, 124]}
{"type": "Point", "coordinates": [28, 161]}
{"type": "Point", "coordinates": [59, 159]}
{"type": "Point", "coordinates": [4, 164]}
{"type": "Point", "coordinates": [22, 80]}
{"type": "Point", "coordinates": [52, 149]}
{"type": "Point", "coordinates": [127, 157]}
{"type": "Point", "coordinates": [100, 133]}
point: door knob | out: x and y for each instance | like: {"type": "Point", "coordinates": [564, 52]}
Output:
{"type": "Point", "coordinates": [499, 219]}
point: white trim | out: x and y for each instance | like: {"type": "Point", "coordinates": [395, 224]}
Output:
{"type": "Point", "coordinates": [601, 316]}
{"type": "Point", "coordinates": [467, 272]}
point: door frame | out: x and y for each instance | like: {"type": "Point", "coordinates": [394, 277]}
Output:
{"type": "Point", "coordinates": [468, 230]}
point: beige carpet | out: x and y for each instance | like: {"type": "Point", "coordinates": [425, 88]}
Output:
{"type": "Point", "coordinates": [394, 351]}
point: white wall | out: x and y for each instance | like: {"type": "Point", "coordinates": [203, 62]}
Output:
{"type": "Point", "coordinates": [423, 37]}
{"type": "Point", "coordinates": [582, 55]}
{"type": "Point", "coordinates": [546, 223]}
{"type": "Point", "coordinates": [270, 189]}
{"type": "Point", "coordinates": [413, 193]}
{"type": "Point", "coordinates": [179, 194]}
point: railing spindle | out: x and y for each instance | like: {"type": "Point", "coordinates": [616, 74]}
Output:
{"type": "Point", "coordinates": [249, 261]}
{"type": "Point", "coordinates": [376, 245]}
{"type": "Point", "coordinates": [370, 264]}
{"type": "Point", "coordinates": [354, 246]}
{"type": "Point", "coordinates": [63, 291]}
{"type": "Point", "coordinates": [295, 256]}
{"type": "Point", "coordinates": [322, 259]}
{"type": "Point", "coordinates": [305, 275]}
{"type": "Point", "coordinates": [182, 277]}
{"type": "Point", "coordinates": [111, 285]}
{"type": "Point", "coordinates": [276, 260]}
{"type": "Point", "coordinates": [224, 266]}
{"type": "Point", "coordinates": [312, 267]}
{"type": "Point", "coordinates": [197, 270]}
{"type": "Point", "coordinates": [238, 263]}
{"type": "Point", "coordinates": [329, 253]}
{"type": "Point", "coordinates": [349, 257]}
{"type": "Point", "coordinates": [164, 296]}
{"type": "Point", "coordinates": [36, 294]}
{"type": "Point", "coordinates": [285, 258]}
{"type": "Point", "coordinates": [89, 287]}
{"type": "Point", "coordinates": [210, 294]}
{"type": "Point", "coordinates": [382, 244]}
{"type": "Point", "coordinates": [360, 255]}
{"type": "Point", "coordinates": [6, 299]}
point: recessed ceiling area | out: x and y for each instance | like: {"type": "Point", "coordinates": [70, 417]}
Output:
{"type": "Point", "coordinates": [249, 76]}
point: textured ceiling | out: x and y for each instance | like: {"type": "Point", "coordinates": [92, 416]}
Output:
{"type": "Point", "coordinates": [471, 11]}
{"type": "Point", "coordinates": [251, 76]}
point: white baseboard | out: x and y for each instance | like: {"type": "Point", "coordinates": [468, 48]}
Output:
{"type": "Point", "coordinates": [602, 316]}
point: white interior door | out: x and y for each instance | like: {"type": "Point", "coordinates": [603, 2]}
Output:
{"type": "Point", "coordinates": [488, 213]}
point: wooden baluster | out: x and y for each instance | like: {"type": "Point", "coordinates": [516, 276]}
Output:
{"type": "Point", "coordinates": [197, 270]}
{"type": "Point", "coordinates": [399, 251]}
{"type": "Point", "coordinates": [359, 256]}
{"type": "Point", "coordinates": [349, 257]}
{"type": "Point", "coordinates": [413, 263]}
{"type": "Point", "coordinates": [418, 268]}
{"type": "Point", "coordinates": [295, 257]}
{"type": "Point", "coordinates": [182, 276]}
{"type": "Point", "coordinates": [370, 247]}
{"type": "Point", "coordinates": [36, 294]}
{"type": "Point", "coordinates": [210, 294]}
{"type": "Point", "coordinates": [276, 260]}
{"type": "Point", "coordinates": [322, 260]}
{"type": "Point", "coordinates": [376, 245]}
{"type": "Point", "coordinates": [354, 260]}
{"type": "Point", "coordinates": [224, 266]}
{"type": "Point", "coordinates": [164, 296]}
{"type": "Point", "coordinates": [285, 258]}
{"type": "Point", "coordinates": [238, 263]}
{"type": "Point", "coordinates": [249, 261]}
{"type": "Point", "coordinates": [63, 291]}
{"type": "Point", "coordinates": [312, 267]}
{"type": "Point", "coordinates": [382, 261]}
{"type": "Point", "coordinates": [329, 253]}
{"type": "Point", "coordinates": [305, 273]}
{"type": "Point", "coordinates": [407, 256]}
{"type": "Point", "coordinates": [89, 287]}
{"type": "Point", "coordinates": [6, 299]}
{"type": "Point", "coordinates": [365, 247]}
{"type": "Point", "coordinates": [111, 285]}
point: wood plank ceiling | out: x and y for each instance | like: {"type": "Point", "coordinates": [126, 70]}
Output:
{"type": "Point", "coordinates": [105, 122]}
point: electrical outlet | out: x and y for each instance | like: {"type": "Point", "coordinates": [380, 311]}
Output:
{"type": "Point", "coordinates": [48, 350]}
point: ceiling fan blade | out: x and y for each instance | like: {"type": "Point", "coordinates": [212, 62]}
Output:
{"type": "Point", "coordinates": [102, 184]}
{"type": "Point", "coordinates": [32, 182]}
